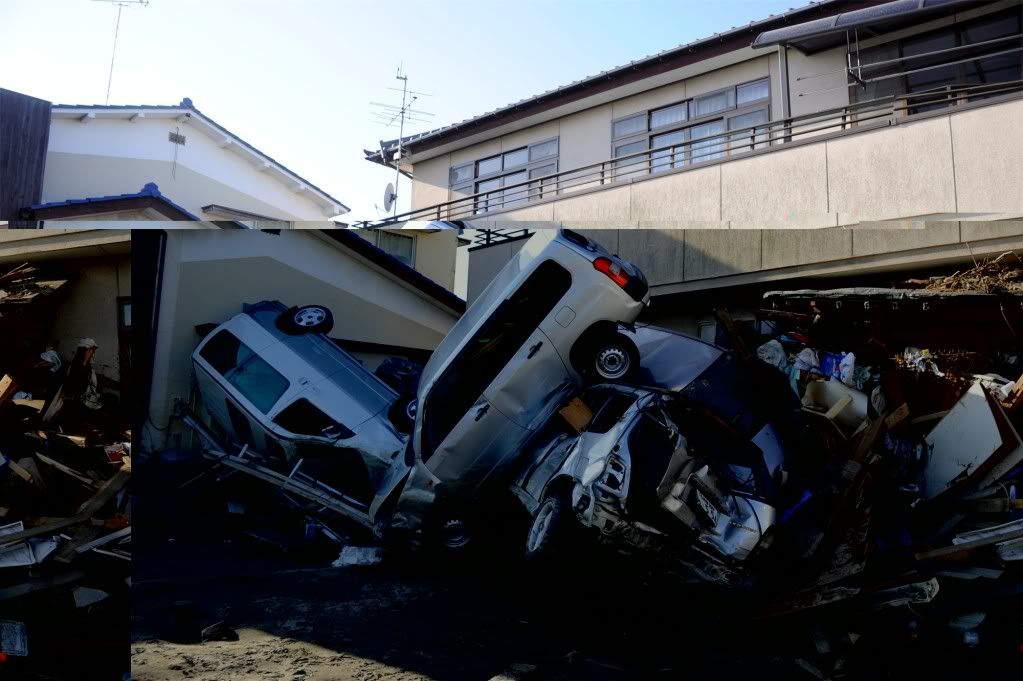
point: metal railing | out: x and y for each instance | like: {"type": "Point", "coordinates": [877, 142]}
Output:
{"type": "Point", "coordinates": [706, 150]}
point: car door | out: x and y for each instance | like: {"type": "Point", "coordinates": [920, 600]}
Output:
{"type": "Point", "coordinates": [532, 384]}
{"type": "Point", "coordinates": [482, 440]}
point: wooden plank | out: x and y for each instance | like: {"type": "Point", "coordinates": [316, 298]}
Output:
{"type": "Point", "coordinates": [25, 131]}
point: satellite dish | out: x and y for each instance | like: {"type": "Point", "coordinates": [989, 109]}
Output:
{"type": "Point", "coordinates": [389, 197]}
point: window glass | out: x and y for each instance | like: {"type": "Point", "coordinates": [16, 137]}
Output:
{"type": "Point", "coordinates": [608, 409]}
{"type": "Point", "coordinates": [303, 418]}
{"type": "Point", "coordinates": [488, 166]}
{"type": "Point", "coordinates": [516, 195]}
{"type": "Point", "coordinates": [537, 190]}
{"type": "Point", "coordinates": [484, 203]}
{"type": "Point", "coordinates": [668, 115]}
{"type": "Point", "coordinates": [489, 350]}
{"type": "Point", "coordinates": [631, 165]}
{"type": "Point", "coordinates": [400, 246]}
{"type": "Point", "coordinates": [747, 139]}
{"type": "Point", "coordinates": [751, 92]}
{"type": "Point", "coordinates": [543, 150]}
{"type": "Point", "coordinates": [719, 101]}
{"type": "Point", "coordinates": [629, 126]}
{"type": "Point", "coordinates": [461, 174]}
{"type": "Point", "coordinates": [516, 158]}
{"type": "Point", "coordinates": [250, 374]}
{"type": "Point", "coordinates": [667, 158]}
{"type": "Point", "coordinates": [708, 149]}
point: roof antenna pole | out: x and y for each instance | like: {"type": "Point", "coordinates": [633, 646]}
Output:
{"type": "Point", "coordinates": [401, 133]}
{"type": "Point", "coordinates": [121, 4]}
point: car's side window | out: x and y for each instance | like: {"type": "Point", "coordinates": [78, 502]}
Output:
{"type": "Point", "coordinates": [250, 374]}
{"type": "Point", "coordinates": [490, 349]}
{"type": "Point", "coordinates": [303, 418]}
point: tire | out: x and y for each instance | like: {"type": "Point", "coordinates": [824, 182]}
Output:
{"type": "Point", "coordinates": [548, 527]}
{"type": "Point", "coordinates": [307, 319]}
{"type": "Point", "coordinates": [611, 358]}
{"type": "Point", "coordinates": [403, 413]}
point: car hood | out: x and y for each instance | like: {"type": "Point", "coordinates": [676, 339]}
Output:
{"type": "Point", "coordinates": [670, 360]}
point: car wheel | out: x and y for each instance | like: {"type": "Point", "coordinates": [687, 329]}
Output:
{"type": "Point", "coordinates": [403, 413]}
{"type": "Point", "coordinates": [546, 528]}
{"type": "Point", "coordinates": [613, 359]}
{"type": "Point", "coordinates": [308, 319]}
{"type": "Point", "coordinates": [455, 534]}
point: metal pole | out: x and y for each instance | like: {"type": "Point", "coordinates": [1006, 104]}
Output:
{"type": "Point", "coordinates": [117, 28]}
{"type": "Point", "coordinates": [401, 133]}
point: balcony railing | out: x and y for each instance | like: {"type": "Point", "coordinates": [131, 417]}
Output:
{"type": "Point", "coordinates": [707, 150]}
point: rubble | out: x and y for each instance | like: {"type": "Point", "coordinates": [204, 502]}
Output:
{"type": "Point", "coordinates": [65, 463]}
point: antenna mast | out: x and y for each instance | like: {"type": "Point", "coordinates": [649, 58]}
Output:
{"type": "Point", "coordinates": [389, 114]}
{"type": "Point", "coordinates": [121, 4]}
{"type": "Point", "coordinates": [401, 133]}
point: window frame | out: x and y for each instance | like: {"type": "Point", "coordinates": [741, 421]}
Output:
{"type": "Point", "coordinates": [679, 159]}
{"type": "Point", "coordinates": [412, 237]}
{"type": "Point", "coordinates": [470, 187]}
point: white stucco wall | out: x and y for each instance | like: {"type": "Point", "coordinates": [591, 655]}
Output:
{"type": "Point", "coordinates": [108, 156]}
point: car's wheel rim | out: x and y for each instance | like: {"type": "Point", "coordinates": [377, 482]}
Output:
{"type": "Point", "coordinates": [311, 316]}
{"type": "Point", "coordinates": [455, 534]}
{"type": "Point", "coordinates": [541, 525]}
{"type": "Point", "coordinates": [410, 410]}
{"type": "Point", "coordinates": [612, 362]}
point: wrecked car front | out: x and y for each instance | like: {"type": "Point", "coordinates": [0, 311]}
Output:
{"type": "Point", "coordinates": [635, 483]}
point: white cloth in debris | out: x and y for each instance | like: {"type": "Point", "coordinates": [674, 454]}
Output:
{"type": "Point", "coordinates": [773, 353]}
{"type": "Point", "coordinates": [53, 359]}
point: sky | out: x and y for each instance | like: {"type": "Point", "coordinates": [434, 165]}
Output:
{"type": "Point", "coordinates": [295, 78]}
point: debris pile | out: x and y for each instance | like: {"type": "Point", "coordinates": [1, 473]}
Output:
{"type": "Point", "coordinates": [65, 462]}
{"type": "Point", "coordinates": [906, 493]}
{"type": "Point", "coordinates": [1001, 274]}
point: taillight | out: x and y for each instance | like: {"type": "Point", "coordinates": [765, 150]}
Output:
{"type": "Point", "coordinates": [612, 270]}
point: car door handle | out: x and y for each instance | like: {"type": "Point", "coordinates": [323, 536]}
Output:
{"type": "Point", "coordinates": [533, 350]}
{"type": "Point", "coordinates": [481, 411]}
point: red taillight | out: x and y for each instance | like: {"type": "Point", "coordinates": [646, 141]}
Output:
{"type": "Point", "coordinates": [612, 270]}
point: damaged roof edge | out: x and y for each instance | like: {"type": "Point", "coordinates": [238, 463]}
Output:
{"type": "Point", "coordinates": [667, 60]}
{"type": "Point", "coordinates": [396, 267]}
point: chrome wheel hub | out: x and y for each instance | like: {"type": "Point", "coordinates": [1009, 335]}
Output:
{"type": "Point", "coordinates": [310, 316]}
{"type": "Point", "coordinates": [612, 362]}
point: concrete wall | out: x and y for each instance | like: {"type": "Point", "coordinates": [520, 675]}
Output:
{"type": "Point", "coordinates": [966, 162]}
{"type": "Point", "coordinates": [295, 267]}
{"type": "Point", "coordinates": [116, 156]}
{"type": "Point", "coordinates": [89, 309]}
{"type": "Point", "coordinates": [683, 260]}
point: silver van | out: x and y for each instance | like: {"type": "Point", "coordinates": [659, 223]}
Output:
{"type": "Point", "coordinates": [270, 378]}
{"type": "Point", "coordinates": [545, 325]}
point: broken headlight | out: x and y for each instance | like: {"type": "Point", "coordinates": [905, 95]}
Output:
{"type": "Point", "coordinates": [613, 478]}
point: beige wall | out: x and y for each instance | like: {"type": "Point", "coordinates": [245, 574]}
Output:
{"type": "Point", "coordinates": [966, 162]}
{"type": "Point", "coordinates": [585, 136]}
{"type": "Point", "coordinates": [681, 260]}
{"type": "Point", "coordinates": [209, 275]}
{"type": "Point", "coordinates": [434, 253]}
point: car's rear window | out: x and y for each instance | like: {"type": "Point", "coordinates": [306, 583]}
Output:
{"type": "Point", "coordinates": [250, 374]}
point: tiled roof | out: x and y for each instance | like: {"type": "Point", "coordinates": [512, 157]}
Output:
{"type": "Point", "coordinates": [150, 189]}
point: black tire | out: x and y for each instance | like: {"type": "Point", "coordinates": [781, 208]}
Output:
{"type": "Point", "coordinates": [403, 413]}
{"type": "Point", "coordinates": [548, 528]}
{"type": "Point", "coordinates": [610, 358]}
{"type": "Point", "coordinates": [306, 319]}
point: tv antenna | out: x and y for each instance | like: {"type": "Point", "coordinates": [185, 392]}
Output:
{"type": "Point", "coordinates": [121, 4]}
{"type": "Point", "coordinates": [388, 114]}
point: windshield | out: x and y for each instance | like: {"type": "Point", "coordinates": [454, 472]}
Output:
{"type": "Point", "coordinates": [250, 374]}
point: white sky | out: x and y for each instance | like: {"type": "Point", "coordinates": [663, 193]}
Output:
{"type": "Point", "coordinates": [295, 78]}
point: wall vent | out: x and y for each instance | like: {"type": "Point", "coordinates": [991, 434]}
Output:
{"type": "Point", "coordinates": [176, 138]}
